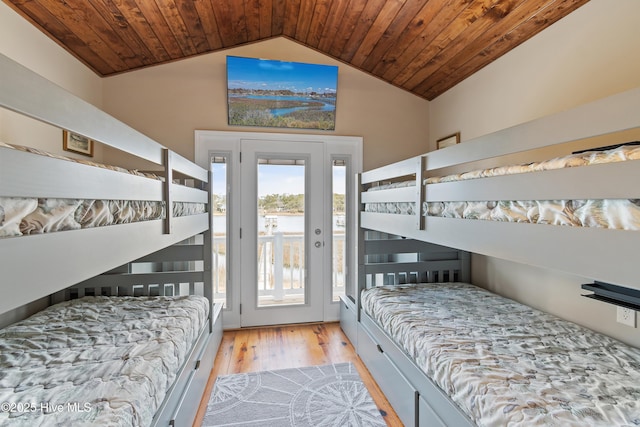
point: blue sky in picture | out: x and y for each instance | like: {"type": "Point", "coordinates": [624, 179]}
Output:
{"type": "Point", "coordinates": [253, 73]}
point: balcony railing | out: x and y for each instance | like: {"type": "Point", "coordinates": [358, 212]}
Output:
{"type": "Point", "coordinates": [280, 268]}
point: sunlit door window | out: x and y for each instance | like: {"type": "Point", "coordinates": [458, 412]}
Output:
{"type": "Point", "coordinates": [281, 232]}
{"type": "Point", "coordinates": [339, 227]}
{"type": "Point", "coordinates": [219, 234]}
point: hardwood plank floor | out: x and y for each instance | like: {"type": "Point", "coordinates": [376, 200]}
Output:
{"type": "Point", "coordinates": [290, 346]}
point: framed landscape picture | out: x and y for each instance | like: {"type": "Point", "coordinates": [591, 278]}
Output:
{"type": "Point", "coordinates": [77, 143]}
{"type": "Point", "coordinates": [270, 93]}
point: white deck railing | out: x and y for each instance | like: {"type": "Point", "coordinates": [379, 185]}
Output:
{"type": "Point", "coordinates": [280, 267]}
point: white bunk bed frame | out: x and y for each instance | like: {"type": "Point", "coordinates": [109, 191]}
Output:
{"type": "Point", "coordinates": [92, 251]}
{"type": "Point", "coordinates": [43, 265]}
{"type": "Point", "coordinates": [599, 254]}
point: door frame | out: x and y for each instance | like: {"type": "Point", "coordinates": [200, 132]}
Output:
{"type": "Point", "coordinates": [312, 309]}
{"type": "Point", "coordinates": [335, 145]}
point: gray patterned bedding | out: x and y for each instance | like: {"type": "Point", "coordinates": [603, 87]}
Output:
{"type": "Point", "coordinates": [618, 214]}
{"type": "Point", "coordinates": [105, 361]}
{"type": "Point", "coordinates": [400, 208]}
{"type": "Point", "coordinates": [586, 158]}
{"type": "Point", "coordinates": [24, 216]}
{"type": "Point", "coordinates": [504, 363]}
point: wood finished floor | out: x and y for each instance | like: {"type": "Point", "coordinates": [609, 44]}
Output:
{"type": "Point", "coordinates": [290, 346]}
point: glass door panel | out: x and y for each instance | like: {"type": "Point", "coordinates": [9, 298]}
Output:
{"type": "Point", "coordinates": [338, 224]}
{"type": "Point", "coordinates": [282, 187]}
{"type": "Point", "coordinates": [219, 235]}
{"type": "Point", "coordinates": [249, 228]}
{"type": "Point", "coordinates": [281, 232]}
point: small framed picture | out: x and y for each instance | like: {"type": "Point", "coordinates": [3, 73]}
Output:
{"type": "Point", "coordinates": [77, 143]}
{"type": "Point", "coordinates": [448, 141]}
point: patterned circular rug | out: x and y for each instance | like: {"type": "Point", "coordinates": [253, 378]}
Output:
{"type": "Point", "coordinates": [330, 395]}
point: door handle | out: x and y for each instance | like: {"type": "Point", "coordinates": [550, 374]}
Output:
{"type": "Point", "coordinates": [318, 244]}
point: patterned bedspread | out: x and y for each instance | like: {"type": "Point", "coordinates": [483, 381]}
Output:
{"type": "Point", "coordinates": [24, 216]}
{"type": "Point", "coordinates": [618, 154]}
{"type": "Point", "coordinates": [105, 361]}
{"type": "Point", "coordinates": [400, 208]}
{"type": "Point", "coordinates": [505, 363]}
{"type": "Point", "coordinates": [618, 214]}
{"type": "Point", "coordinates": [615, 214]}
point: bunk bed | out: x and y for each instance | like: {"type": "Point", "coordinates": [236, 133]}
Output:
{"type": "Point", "coordinates": [559, 192]}
{"type": "Point", "coordinates": [124, 257]}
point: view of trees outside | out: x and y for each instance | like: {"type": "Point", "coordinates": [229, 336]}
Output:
{"type": "Point", "coordinates": [280, 210]}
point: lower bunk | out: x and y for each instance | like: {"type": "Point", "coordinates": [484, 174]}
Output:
{"type": "Point", "coordinates": [110, 360]}
{"type": "Point", "coordinates": [453, 354]}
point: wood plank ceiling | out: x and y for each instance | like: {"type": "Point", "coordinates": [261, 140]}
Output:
{"type": "Point", "coordinates": [423, 46]}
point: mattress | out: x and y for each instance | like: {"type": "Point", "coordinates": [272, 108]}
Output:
{"type": "Point", "coordinates": [597, 156]}
{"type": "Point", "coordinates": [504, 363]}
{"type": "Point", "coordinates": [96, 360]}
{"type": "Point", "coordinates": [399, 208]}
{"type": "Point", "coordinates": [25, 216]}
{"type": "Point", "coordinates": [616, 214]}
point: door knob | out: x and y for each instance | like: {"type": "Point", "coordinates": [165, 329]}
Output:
{"type": "Point", "coordinates": [318, 244]}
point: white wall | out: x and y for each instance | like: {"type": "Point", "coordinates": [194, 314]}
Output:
{"type": "Point", "coordinates": [22, 42]}
{"type": "Point", "coordinates": [590, 54]}
{"type": "Point", "coordinates": [170, 101]}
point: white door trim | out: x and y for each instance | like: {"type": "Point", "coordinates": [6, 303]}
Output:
{"type": "Point", "coordinates": [205, 139]}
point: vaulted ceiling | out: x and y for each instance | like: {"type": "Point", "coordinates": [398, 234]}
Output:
{"type": "Point", "coordinates": [422, 46]}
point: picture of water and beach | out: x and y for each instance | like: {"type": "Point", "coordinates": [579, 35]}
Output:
{"type": "Point", "coordinates": [271, 93]}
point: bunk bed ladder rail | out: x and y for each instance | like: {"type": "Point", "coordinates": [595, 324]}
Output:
{"type": "Point", "coordinates": [179, 269]}
{"type": "Point", "coordinates": [391, 260]}
{"type": "Point", "coordinates": [412, 169]}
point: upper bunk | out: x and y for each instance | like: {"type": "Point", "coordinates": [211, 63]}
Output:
{"type": "Point", "coordinates": [530, 194]}
{"type": "Point", "coordinates": [56, 210]}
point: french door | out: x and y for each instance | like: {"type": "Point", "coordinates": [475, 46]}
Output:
{"type": "Point", "coordinates": [282, 238]}
{"type": "Point", "coordinates": [282, 228]}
